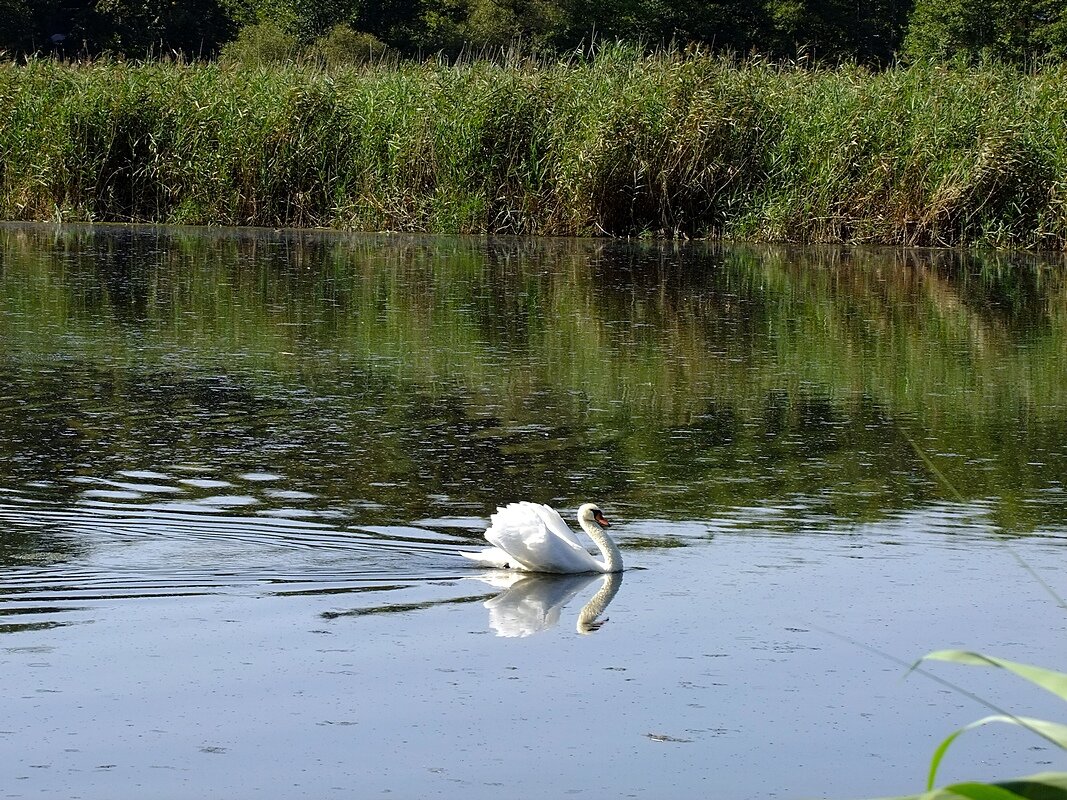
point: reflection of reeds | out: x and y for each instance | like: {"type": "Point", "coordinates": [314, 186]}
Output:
{"type": "Point", "coordinates": [725, 363]}
{"type": "Point", "coordinates": [667, 144]}
{"type": "Point", "coordinates": [684, 325]}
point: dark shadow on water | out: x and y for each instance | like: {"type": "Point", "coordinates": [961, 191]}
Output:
{"type": "Point", "coordinates": [402, 608]}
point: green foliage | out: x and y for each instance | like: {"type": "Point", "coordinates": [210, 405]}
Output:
{"type": "Point", "coordinates": [1049, 37]}
{"type": "Point", "coordinates": [836, 30]}
{"type": "Point", "coordinates": [810, 31]}
{"type": "Point", "coordinates": [262, 44]}
{"type": "Point", "coordinates": [343, 46]}
{"type": "Point", "coordinates": [1045, 786]}
{"type": "Point", "coordinates": [497, 23]}
{"type": "Point", "coordinates": [142, 28]}
{"type": "Point", "coordinates": [622, 144]}
{"type": "Point", "coordinates": [269, 43]}
{"type": "Point", "coordinates": [305, 19]}
{"type": "Point", "coordinates": [831, 29]}
{"type": "Point", "coordinates": [971, 31]}
{"type": "Point", "coordinates": [12, 16]}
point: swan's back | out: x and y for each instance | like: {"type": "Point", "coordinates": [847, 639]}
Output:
{"type": "Point", "coordinates": [538, 539]}
{"type": "Point", "coordinates": [525, 514]}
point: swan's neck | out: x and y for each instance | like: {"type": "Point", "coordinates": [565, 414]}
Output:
{"type": "Point", "coordinates": [608, 548]}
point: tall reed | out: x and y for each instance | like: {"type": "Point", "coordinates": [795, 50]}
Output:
{"type": "Point", "coordinates": [620, 144]}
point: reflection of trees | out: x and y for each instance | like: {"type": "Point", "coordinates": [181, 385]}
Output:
{"type": "Point", "coordinates": [392, 371]}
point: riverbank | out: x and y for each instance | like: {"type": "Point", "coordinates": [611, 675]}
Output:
{"type": "Point", "coordinates": [626, 145]}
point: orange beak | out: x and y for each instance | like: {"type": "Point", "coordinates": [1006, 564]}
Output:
{"type": "Point", "coordinates": [601, 519]}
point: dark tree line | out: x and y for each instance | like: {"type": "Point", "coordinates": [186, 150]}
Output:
{"type": "Point", "coordinates": [875, 32]}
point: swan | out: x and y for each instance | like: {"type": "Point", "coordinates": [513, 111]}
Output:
{"type": "Point", "coordinates": [533, 537]}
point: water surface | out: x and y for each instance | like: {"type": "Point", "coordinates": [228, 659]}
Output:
{"type": "Point", "coordinates": [237, 470]}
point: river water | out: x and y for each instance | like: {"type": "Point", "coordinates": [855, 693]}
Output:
{"type": "Point", "coordinates": [237, 469]}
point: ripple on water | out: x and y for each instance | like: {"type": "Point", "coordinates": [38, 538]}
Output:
{"type": "Point", "coordinates": [143, 474]}
{"type": "Point", "coordinates": [289, 494]}
{"type": "Point", "coordinates": [205, 483]}
{"type": "Point", "coordinates": [259, 477]}
{"type": "Point", "coordinates": [160, 535]}
{"type": "Point", "coordinates": [111, 494]}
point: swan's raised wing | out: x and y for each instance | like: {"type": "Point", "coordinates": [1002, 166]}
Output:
{"type": "Point", "coordinates": [520, 530]}
{"type": "Point", "coordinates": [555, 523]}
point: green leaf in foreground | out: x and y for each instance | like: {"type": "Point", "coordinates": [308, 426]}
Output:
{"type": "Point", "coordinates": [1052, 731]}
{"type": "Point", "coordinates": [1050, 680]}
{"type": "Point", "coordinates": [980, 791]}
{"type": "Point", "coordinates": [1043, 786]}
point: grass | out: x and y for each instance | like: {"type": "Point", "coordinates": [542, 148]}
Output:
{"type": "Point", "coordinates": [620, 144]}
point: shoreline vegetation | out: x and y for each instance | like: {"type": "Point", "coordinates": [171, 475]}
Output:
{"type": "Point", "coordinates": [621, 143]}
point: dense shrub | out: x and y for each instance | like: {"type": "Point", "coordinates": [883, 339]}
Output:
{"type": "Point", "coordinates": [622, 144]}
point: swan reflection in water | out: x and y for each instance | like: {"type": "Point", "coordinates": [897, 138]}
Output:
{"type": "Point", "coordinates": [532, 602]}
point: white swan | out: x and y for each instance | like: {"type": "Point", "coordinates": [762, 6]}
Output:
{"type": "Point", "coordinates": [533, 537]}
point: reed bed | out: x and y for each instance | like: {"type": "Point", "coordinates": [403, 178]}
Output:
{"type": "Point", "coordinates": [621, 144]}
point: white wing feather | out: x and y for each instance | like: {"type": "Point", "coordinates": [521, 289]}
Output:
{"type": "Point", "coordinates": [555, 522]}
{"type": "Point", "coordinates": [536, 539]}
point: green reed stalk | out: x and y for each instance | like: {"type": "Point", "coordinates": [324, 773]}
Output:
{"type": "Point", "coordinates": [619, 144]}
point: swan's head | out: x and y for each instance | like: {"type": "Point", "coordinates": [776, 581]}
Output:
{"type": "Point", "coordinates": [591, 512]}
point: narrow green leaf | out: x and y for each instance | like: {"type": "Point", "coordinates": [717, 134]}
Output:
{"type": "Point", "coordinates": [981, 791]}
{"type": "Point", "coordinates": [1052, 731]}
{"type": "Point", "coordinates": [939, 753]}
{"type": "Point", "coordinates": [1043, 786]}
{"type": "Point", "coordinates": [1050, 680]}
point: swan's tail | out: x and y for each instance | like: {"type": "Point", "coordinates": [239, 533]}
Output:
{"type": "Point", "coordinates": [490, 557]}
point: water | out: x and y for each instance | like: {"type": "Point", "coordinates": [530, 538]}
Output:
{"type": "Point", "coordinates": [237, 470]}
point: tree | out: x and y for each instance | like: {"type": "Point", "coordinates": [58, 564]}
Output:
{"type": "Point", "coordinates": [1012, 31]}
{"type": "Point", "coordinates": [44, 26]}
{"type": "Point", "coordinates": [835, 29]}
{"type": "Point", "coordinates": [140, 27]}
{"type": "Point", "coordinates": [500, 22]}
{"type": "Point", "coordinates": [14, 32]}
{"type": "Point", "coordinates": [1050, 34]}
{"type": "Point", "coordinates": [343, 46]}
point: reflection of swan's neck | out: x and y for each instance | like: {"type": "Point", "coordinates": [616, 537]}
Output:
{"type": "Point", "coordinates": [587, 622]}
{"type": "Point", "coordinates": [608, 548]}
